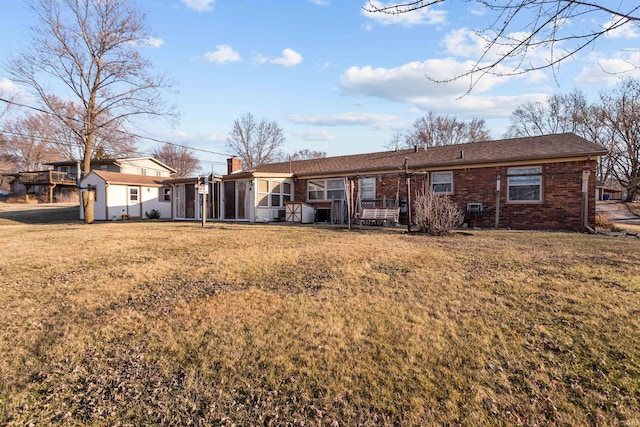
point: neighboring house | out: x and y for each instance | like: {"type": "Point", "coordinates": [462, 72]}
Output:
{"type": "Point", "coordinates": [63, 177]}
{"type": "Point", "coordinates": [145, 166]}
{"type": "Point", "coordinates": [119, 195]}
{"type": "Point", "coordinates": [540, 182]}
{"type": "Point", "coordinates": [609, 190]}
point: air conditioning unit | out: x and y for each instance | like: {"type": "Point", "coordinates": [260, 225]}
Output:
{"type": "Point", "coordinates": [475, 208]}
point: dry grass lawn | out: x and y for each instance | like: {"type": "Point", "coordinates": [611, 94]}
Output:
{"type": "Point", "coordinates": [168, 323]}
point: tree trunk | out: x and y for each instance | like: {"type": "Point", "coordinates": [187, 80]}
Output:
{"type": "Point", "coordinates": [88, 197]}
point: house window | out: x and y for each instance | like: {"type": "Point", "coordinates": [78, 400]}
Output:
{"type": "Point", "coordinates": [65, 169]}
{"type": "Point", "coordinates": [158, 173]}
{"type": "Point", "coordinates": [367, 188]}
{"type": "Point", "coordinates": [133, 194]}
{"type": "Point", "coordinates": [442, 182]}
{"type": "Point", "coordinates": [143, 171]}
{"type": "Point", "coordinates": [525, 184]}
{"type": "Point", "coordinates": [326, 189]}
{"type": "Point", "coordinates": [263, 192]}
{"type": "Point", "coordinates": [165, 194]}
{"type": "Point", "coordinates": [315, 190]}
{"type": "Point", "coordinates": [273, 193]}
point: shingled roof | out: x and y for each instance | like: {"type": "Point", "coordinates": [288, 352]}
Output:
{"type": "Point", "coordinates": [544, 147]}
{"type": "Point", "coordinates": [125, 178]}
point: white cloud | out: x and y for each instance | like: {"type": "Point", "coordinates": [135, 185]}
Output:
{"type": "Point", "coordinates": [315, 135]}
{"type": "Point", "coordinates": [148, 42]}
{"type": "Point", "coordinates": [424, 16]}
{"type": "Point", "coordinates": [320, 2]}
{"type": "Point", "coordinates": [607, 69]}
{"type": "Point", "coordinates": [289, 58]}
{"type": "Point", "coordinates": [463, 42]}
{"type": "Point", "coordinates": [466, 43]}
{"type": "Point", "coordinates": [628, 30]}
{"type": "Point", "coordinates": [380, 121]}
{"type": "Point", "coordinates": [408, 84]}
{"type": "Point", "coordinates": [154, 42]}
{"type": "Point", "coordinates": [409, 81]}
{"type": "Point", "coordinates": [9, 90]}
{"type": "Point", "coordinates": [200, 5]}
{"type": "Point", "coordinates": [223, 53]}
{"type": "Point", "coordinates": [477, 12]}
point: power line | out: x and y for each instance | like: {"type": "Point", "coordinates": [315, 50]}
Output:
{"type": "Point", "coordinates": [175, 144]}
{"type": "Point", "coordinates": [141, 153]}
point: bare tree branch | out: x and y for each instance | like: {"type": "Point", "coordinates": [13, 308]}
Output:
{"type": "Point", "coordinates": [181, 159]}
{"type": "Point", "coordinates": [255, 143]}
{"type": "Point", "coordinates": [519, 27]}
{"type": "Point", "coordinates": [91, 47]}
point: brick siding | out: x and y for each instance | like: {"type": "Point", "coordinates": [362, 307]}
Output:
{"type": "Point", "coordinates": [560, 208]}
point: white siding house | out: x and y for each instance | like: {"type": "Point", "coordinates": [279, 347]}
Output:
{"type": "Point", "coordinates": [145, 166]}
{"type": "Point", "coordinates": [119, 195]}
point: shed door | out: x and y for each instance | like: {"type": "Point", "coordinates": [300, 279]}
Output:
{"type": "Point", "coordinates": [134, 203]}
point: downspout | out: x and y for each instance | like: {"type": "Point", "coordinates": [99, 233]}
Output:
{"type": "Point", "coordinates": [106, 200]}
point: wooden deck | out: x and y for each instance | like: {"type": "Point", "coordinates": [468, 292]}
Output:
{"type": "Point", "coordinates": [47, 178]}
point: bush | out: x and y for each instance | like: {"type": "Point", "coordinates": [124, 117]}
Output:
{"type": "Point", "coordinates": [153, 214]}
{"type": "Point", "coordinates": [604, 222]}
{"type": "Point", "coordinates": [436, 214]}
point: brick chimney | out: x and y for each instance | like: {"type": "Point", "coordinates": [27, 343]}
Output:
{"type": "Point", "coordinates": [234, 164]}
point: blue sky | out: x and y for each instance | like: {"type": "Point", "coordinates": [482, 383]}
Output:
{"type": "Point", "coordinates": [333, 77]}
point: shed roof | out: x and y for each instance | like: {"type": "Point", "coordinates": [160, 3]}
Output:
{"type": "Point", "coordinates": [130, 179]}
{"type": "Point", "coordinates": [546, 147]}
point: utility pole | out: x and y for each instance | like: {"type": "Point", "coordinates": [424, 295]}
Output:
{"type": "Point", "coordinates": [408, 178]}
{"type": "Point", "coordinates": [203, 189]}
{"type": "Point", "coordinates": [498, 201]}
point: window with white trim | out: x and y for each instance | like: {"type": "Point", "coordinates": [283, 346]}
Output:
{"type": "Point", "coordinates": [143, 171]}
{"type": "Point", "coordinates": [165, 194]}
{"type": "Point", "coordinates": [273, 193]}
{"type": "Point", "coordinates": [367, 188]}
{"type": "Point", "coordinates": [133, 194]}
{"type": "Point", "coordinates": [524, 184]}
{"type": "Point", "coordinates": [442, 182]}
{"type": "Point", "coordinates": [325, 189]}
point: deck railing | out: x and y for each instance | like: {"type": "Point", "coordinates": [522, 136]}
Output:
{"type": "Point", "coordinates": [47, 177]}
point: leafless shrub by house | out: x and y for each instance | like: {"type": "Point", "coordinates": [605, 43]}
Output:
{"type": "Point", "coordinates": [604, 222]}
{"type": "Point", "coordinates": [436, 214]}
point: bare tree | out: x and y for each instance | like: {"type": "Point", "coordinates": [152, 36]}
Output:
{"type": "Point", "coordinates": [255, 143]}
{"type": "Point", "coordinates": [613, 122]}
{"type": "Point", "coordinates": [396, 142]}
{"type": "Point", "coordinates": [91, 49]}
{"type": "Point", "coordinates": [433, 130]}
{"type": "Point", "coordinates": [518, 27]}
{"type": "Point", "coordinates": [179, 158]}
{"type": "Point", "coordinates": [620, 110]}
{"type": "Point", "coordinates": [307, 154]}
{"type": "Point", "coordinates": [560, 113]}
{"type": "Point", "coordinates": [109, 141]}
{"type": "Point", "coordinates": [29, 141]}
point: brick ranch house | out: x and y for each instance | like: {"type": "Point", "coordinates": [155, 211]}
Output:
{"type": "Point", "coordinates": [545, 182]}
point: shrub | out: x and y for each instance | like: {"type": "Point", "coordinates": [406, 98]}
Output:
{"type": "Point", "coordinates": [436, 214]}
{"type": "Point", "coordinates": [604, 222]}
{"type": "Point", "coordinates": [153, 214]}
